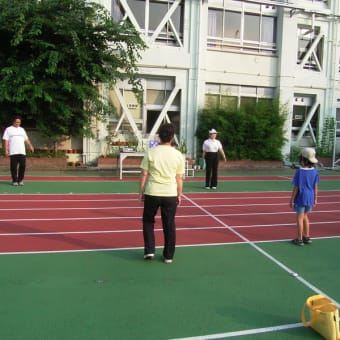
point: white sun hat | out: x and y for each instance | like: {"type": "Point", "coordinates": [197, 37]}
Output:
{"type": "Point", "coordinates": [309, 153]}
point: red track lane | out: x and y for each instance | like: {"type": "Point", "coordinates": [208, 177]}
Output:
{"type": "Point", "coordinates": [214, 195]}
{"type": "Point", "coordinates": [20, 226]}
{"type": "Point", "coordinates": [71, 213]}
{"type": "Point", "coordinates": [74, 242]}
{"type": "Point", "coordinates": [90, 204]}
{"type": "Point", "coordinates": [34, 243]}
{"type": "Point", "coordinates": [115, 178]}
{"type": "Point", "coordinates": [66, 197]}
{"type": "Point", "coordinates": [263, 209]}
{"type": "Point", "coordinates": [274, 219]}
{"type": "Point", "coordinates": [115, 203]}
{"type": "Point", "coordinates": [249, 198]}
{"type": "Point", "coordinates": [110, 221]}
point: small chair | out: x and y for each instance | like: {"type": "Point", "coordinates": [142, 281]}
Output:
{"type": "Point", "coordinates": [189, 169]}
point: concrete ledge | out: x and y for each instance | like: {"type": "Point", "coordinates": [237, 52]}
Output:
{"type": "Point", "coordinates": [36, 163]}
{"type": "Point", "coordinates": [251, 164]}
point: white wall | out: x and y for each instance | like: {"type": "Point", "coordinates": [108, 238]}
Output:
{"type": "Point", "coordinates": [193, 65]}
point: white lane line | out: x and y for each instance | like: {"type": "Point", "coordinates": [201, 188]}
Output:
{"type": "Point", "coordinates": [264, 253]}
{"type": "Point", "coordinates": [138, 217]}
{"type": "Point", "coordinates": [241, 333]}
{"type": "Point", "coordinates": [67, 208]}
{"type": "Point", "coordinates": [122, 231]}
{"type": "Point", "coordinates": [182, 206]}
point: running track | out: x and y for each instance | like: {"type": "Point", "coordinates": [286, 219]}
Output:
{"type": "Point", "coordinates": [188, 178]}
{"type": "Point", "coordinates": [74, 222]}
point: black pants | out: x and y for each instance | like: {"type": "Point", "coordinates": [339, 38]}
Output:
{"type": "Point", "coordinates": [211, 165]}
{"type": "Point", "coordinates": [18, 167]}
{"type": "Point", "coordinates": [168, 207]}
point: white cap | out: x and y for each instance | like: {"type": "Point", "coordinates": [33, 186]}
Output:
{"type": "Point", "coordinates": [309, 153]}
{"type": "Point", "coordinates": [212, 131]}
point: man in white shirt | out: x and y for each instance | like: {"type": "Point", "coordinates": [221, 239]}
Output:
{"type": "Point", "coordinates": [211, 148]}
{"type": "Point", "coordinates": [15, 138]}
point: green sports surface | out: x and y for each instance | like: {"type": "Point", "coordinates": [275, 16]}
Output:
{"type": "Point", "coordinates": [117, 295]}
{"type": "Point", "coordinates": [209, 292]}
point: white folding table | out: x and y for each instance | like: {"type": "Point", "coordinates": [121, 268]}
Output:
{"type": "Point", "coordinates": [124, 155]}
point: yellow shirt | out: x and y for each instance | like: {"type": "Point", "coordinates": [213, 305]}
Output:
{"type": "Point", "coordinates": [162, 163]}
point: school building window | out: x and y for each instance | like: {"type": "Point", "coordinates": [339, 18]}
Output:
{"type": "Point", "coordinates": [304, 110]}
{"type": "Point", "coordinates": [158, 92]}
{"type": "Point", "coordinates": [233, 96]}
{"type": "Point", "coordinates": [242, 31]}
{"type": "Point", "coordinates": [156, 96]}
{"type": "Point", "coordinates": [310, 48]}
{"type": "Point", "coordinates": [159, 20]}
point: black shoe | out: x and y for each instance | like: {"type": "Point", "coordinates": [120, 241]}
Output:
{"type": "Point", "coordinates": [297, 242]}
{"type": "Point", "coordinates": [167, 260]}
{"type": "Point", "coordinates": [149, 256]}
{"type": "Point", "coordinates": [306, 240]}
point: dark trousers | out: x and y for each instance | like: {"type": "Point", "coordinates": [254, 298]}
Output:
{"type": "Point", "coordinates": [18, 167]}
{"type": "Point", "coordinates": [168, 207]}
{"type": "Point", "coordinates": [211, 165]}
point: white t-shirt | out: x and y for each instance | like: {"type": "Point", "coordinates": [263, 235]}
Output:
{"type": "Point", "coordinates": [16, 137]}
{"type": "Point", "coordinates": [212, 145]}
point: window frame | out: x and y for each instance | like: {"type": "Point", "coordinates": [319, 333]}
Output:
{"type": "Point", "coordinates": [223, 40]}
{"type": "Point", "coordinates": [144, 14]}
{"type": "Point", "coordinates": [231, 92]}
{"type": "Point", "coordinates": [310, 57]}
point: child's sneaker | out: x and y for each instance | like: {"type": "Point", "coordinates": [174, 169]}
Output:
{"type": "Point", "coordinates": [306, 240]}
{"type": "Point", "coordinates": [297, 242]}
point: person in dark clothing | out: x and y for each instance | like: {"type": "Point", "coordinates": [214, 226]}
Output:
{"type": "Point", "coordinates": [211, 148]}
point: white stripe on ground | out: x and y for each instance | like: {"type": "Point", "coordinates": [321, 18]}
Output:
{"type": "Point", "coordinates": [123, 231]}
{"type": "Point", "coordinates": [183, 206]}
{"type": "Point", "coordinates": [178, 216]}
{"type": "Point", "coordinates": [241, 333]}
{"type": "Point", "coordinates": [264, 253]}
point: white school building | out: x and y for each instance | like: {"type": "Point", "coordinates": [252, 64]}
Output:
{"type": "Point", "coordinates": [220, 51]}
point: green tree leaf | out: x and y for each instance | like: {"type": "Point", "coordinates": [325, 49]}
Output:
{"type": "Point", "coordinates": [53, 56]}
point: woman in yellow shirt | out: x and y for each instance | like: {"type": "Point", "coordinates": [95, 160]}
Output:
{"type": "Point", "coordinates": [160, 186]}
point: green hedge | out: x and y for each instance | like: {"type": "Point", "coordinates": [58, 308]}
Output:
{"type": "Point", "coordinates": [253, 131]}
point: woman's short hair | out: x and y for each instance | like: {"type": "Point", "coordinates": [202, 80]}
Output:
{"type": "Point", "coordinates": [14, 118]}
{"type": "Point", "coordinates": [166, 132]}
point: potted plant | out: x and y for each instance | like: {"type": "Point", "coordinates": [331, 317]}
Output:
{"type": "Point", "coordinates": [182, 147]}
